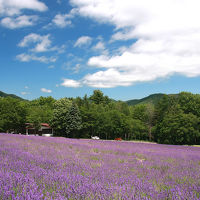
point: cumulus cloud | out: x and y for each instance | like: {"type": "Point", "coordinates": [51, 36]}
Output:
{"type": "Point", "coordinates": [45, 90]}
{"type": "Point", "coordinates": [84, 40]}
{"type": "Point", "coordinates": [71, 83]}
{"type": "Point", "coordinates": [107, 79]}
{"type": "Point", "coordinates": [27, 58]}
{"type": "Point", "coordinates": [14, 7]}
{"type": "Point", "coordinates": [43, 43]}
{"type": "Point", "coordinates": [19, 22]}
{"type": "Point", "coordinates": [62, 21]}
{"type": "Point", "coordinates": [167, 35]}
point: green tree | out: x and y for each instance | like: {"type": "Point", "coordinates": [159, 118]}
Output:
{"type": "Point", "coordinates": [146, 114]}
{"type": "Point", "coordinates": [122, 107]}
{"type": "Point", "coordinates": [60, 116]}
{"type": "Point", "coordinates": [36, 117]}
{"type": "Point", "coordinates": [89, 118]}
{"type": "Point", "coordinates": [178, 128]}
{"type": "Point", "coordinates": [73, 121]}
{"type": "Point", "coordinates": [167, 104]}
{"type": "Point", "coordinates": [103, 125]}
{"type": "Point", "coordinates": [98, 98]}
{"type": "Point", "coordinates": [12, 115]}
{"type": "Point", "coordinates": [112, 123]}
{"type": "Point", "coordinates": [138, 130]}
{"type": "Point", "coordinates": [178, 119]}
{"type": "Point", "coordinates": [44, 101]}
{"type": "Point", "coordinates": [40, 111]}
{"type": "Point", "coordinates": [149, 119]}
{"type": "Point", "coordinates": [189, 103]}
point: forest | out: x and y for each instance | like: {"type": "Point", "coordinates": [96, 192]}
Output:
{"type": "Point", "coordinates": [174, 119]}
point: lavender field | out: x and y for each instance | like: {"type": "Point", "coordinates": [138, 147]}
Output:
{"type": "Point", "coordinates": [58, 168]}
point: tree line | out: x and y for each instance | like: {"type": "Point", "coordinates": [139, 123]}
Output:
{"type": "Point", "coordinates": [175, 119]}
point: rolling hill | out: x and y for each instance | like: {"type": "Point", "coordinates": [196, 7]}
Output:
{"type": "Point", "coordinates": [153, 98]}
{"type": "Point", "coordinates": [2, 94]}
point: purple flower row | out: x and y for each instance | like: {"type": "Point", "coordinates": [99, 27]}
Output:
{"type": "Point", "coordinates": [58, 168]}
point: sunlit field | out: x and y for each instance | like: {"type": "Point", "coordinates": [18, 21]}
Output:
{"type": "Point", "coordinates": [58, 168]}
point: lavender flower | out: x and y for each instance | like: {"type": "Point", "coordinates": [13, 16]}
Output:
{"type": "Point", "coordinates": [58, 168]}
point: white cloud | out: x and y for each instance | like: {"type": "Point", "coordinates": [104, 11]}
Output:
{"type": "Point", "coordinates": [42, 43]}
{"type": "Point", "coordinates": [62, 20]}
{"type": "Point", "coordinates": [45, 90]}
{"type": "Point", "coordinates": [107, 79]}
{"type": "Point", "coordinates": [99, 46]}
{"type": "Point", "coordinates": [27, 58]}
{"type": "Point", "coordinates": [25, 93]}
{"type": "Point", "coordinates": [77, 67]}
{"type": "Point", "coordinates": [84, 40]}
{"type": "Point", "coordinates": [167, 34]}
{"type": "Point", "coordinates": [14, 7]}
{"type": "Point", "coordinates": [58, 49]}
{"type": "Point", "coordinates": [19, 22]}
{"type": "Point", "coordinates": [51, 67]}
{"type": "Point", "coordinates": [71, 83]}
{"type": "Point", "coordinates": [31, 38]}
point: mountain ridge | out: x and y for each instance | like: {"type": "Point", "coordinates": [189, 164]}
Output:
{"type": "Point", "coordinates": [153, 98]}
{"type": "Point", "coordinates": [3, 94]}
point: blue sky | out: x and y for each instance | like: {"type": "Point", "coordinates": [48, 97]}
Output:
{"type": "Point", "coordinates": [127, 49]}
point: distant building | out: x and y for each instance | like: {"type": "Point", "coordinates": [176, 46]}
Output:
{"type": "Point", "coordinates": [45, 130]}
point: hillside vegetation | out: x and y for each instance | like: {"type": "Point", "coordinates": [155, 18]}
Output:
{"type": "Point", "coordinates": [2, 94]}
{"type": "Point", "coordinates": [154, 98]}
{"type": "Point", "coordinates": [169, 119]}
